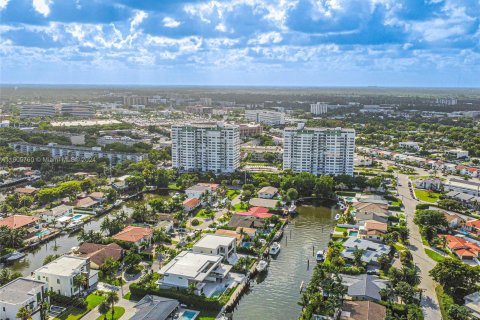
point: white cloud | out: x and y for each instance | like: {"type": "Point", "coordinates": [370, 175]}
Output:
{"type": "Point", "coordinates": [137, 19]}
{"type": "Point", "coordinates": [169, 22]}
{"type": "Point", "coordinates": [266, 38]}
{"type": "Point", "coordinates": [221, 27]}
{"type": "Point", "coordinates": [3, 4]}
{"type": "Point", "coordinates": [42, 6]}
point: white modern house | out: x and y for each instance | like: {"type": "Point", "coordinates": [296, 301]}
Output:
{"type": "Point", "coordinates": [52, 216]}
{"type": "Point", "coordinates": [319, 150]}
{"type": "Point", "coordinates": [205, 147]}
{"type": "Point", "coordinates": [22, 292]}
{"type": "Point", "coordinates": [198, 190]}
{"type": "Point", "coordinates": [218, 245]}
{"type": "Point", "coordinates": [267, 192]}
{"type": "Point", "coordinates": [60, 274]}
{"type": "Point", "coordinates": [204, 271]}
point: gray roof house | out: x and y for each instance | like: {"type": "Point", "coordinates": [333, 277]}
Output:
{"type": "Point", "coordinates": [155, 308]}
{"type": "Point", "coordinates": [373, 250]}
{"type": "Point", "coordinates": [364, 286]}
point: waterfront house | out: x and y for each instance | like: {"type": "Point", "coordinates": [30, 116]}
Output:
{"type": "Point", "coordinates": [86, 203]}
{"type": "Point", "coordinates": [230, 233]}
{"type": "Point", "coordinates": [372, 230]}
{"type": "Point", "coordinates": [52, 215]}
{"type": "Point", "coordinates": [30, 191]}
{"type": "Point", "coordinates": [18, 221]}
{"type": "Point", "coordinates": [363, 310]}
{"type": "Point", "coordinates": [152, 307]}
{"type": "Point", "coordinates": [472, 303]}
{"type": "Point", "coordinates": [98, 253]}
{"type": "Point", "coordinates": [245, 221]}
{"type": "Point", "coordinates": [218, 245]}
{"type": "Point", "coordinates": [139, 236]}
{"type": "Point", "coordinates": [364, 286]}
{"type": "Point", "coordinates": [373, 250]}
{"type": "Point", "coordinates": [266, 203]}
{"type": "Point", "coordinates": [22, 292]}
{"type": "Point", "coordinates": [258, 212]}
{"type": "Point", "coordinates": [473, 226]}
{"type": "Point", "coordinates": [197, 269]}
{"type": "Point", "coordinates": [60, 274]}
{"type": "Point", "coordinates": [267, 192]}
{"type": "Point", "coordinates": [191, 204]}
{"type": "Point", "coordinates": [200, 189]}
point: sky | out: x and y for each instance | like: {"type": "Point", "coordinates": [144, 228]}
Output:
{"type": "Point", "coordinates": [410, 43]}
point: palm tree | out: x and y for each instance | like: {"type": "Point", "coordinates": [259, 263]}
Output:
{"type": "Point", "coordinates": [80, 281]}
{"type": "Point", "coordinates": [112, 298]}
{"type": "Point", "coordinates": [24, 313]}
{"type": "Point", "coordinates": [103, 308]}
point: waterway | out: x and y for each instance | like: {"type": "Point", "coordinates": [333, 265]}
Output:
{"type": "Point", "coordinates": [65, 242]}
{"type": "Point", "coordinates": [276, 296]}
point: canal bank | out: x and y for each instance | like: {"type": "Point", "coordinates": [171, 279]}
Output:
{"type": "Point", "coordinates": [275, 295]}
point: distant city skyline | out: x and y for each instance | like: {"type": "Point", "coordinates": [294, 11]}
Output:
{"type": "Point", "coordinates": [306, 43]}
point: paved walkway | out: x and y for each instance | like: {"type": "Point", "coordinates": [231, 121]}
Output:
{"type": "Point", "coordinates": [423, 263]}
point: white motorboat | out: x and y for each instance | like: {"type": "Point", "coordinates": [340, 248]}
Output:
{"type": "Point", "coordinates": [319, 256]}
{"type": "Point", "coordinates": [292, 208]}
{"type": "Point", "coordinates": [338, 216]}
{"type": "Point", "coordinates": [274, 248]}
{"type": "Point", "coordinates": [262, 266]}
{"type": "Point", "coordinates": [14, 256]}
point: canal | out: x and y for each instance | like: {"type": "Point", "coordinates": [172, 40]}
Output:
{"type": "Point", "coordinates": [275, 296]}
{"type": "Point", "coordinates": [65, 242]}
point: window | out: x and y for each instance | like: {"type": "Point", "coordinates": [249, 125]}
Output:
{"type": "Point", "coordinates": [58, 281]}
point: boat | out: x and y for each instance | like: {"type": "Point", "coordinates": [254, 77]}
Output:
{"type": "Point", "coordinates": [261, 266]}
{"type": "Point", "coordinates": [117, 203]}
{"type": "Point", "coordinates": [338, 216]}
{"type": "Point", "coordinates": [278, 235]}
{"type": "Point", "coordinates": [14, 256]}
{"type": "Point", "coordinates": [319, 256]}
{"type": "Point", "coordinates": [341, 206]}
{"type": "Point", "coordinates": [292, 208]}
{"type": "Point", "coordinates": [74, 225]}
{"type": "Point", "coordinates": [274, 248]}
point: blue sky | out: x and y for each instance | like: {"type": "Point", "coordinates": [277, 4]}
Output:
{"type": "Point", "coordinates": [241, 42]}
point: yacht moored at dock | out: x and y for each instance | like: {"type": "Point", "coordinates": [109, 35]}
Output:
{"type": "Point", "coordinates": [274, 249]}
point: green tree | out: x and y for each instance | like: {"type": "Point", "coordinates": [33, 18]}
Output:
{"type": "Point", "coordinates": [109, 267]}
{"type": "Point", "coordinates": [112, 298]}
{"type": "Point", "coordinates": [456, 312]}
{"type": "Point", "coordinates": [6, 275]}
{"type": "Point", "coordinates": [405, 291]}
{"type": "Point", "coordinates": [24, 313]}
{"type": "Point", "coordinates": [457, 277]}
{"type": "Point", "coordinates": [324, 186]}
{"type": "Point", "coordinates": [50, 258]}
{"type": "Point", "coordinates": [80, 281]}
{"type": "Point", "coordinates": [103, 308]}
{"type": "Point", "coordinates": [292, 194]}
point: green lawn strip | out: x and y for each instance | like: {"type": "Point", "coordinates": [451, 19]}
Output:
{"type": "Point", "coordinates": [231, 194]}
{"type": "Point", "coordinates": [426, 196]}
{"type": "Point", "coordinates": [444, 301]}
{"type": "Point", "coordinates": [340, 229]}
{"type": "Point", "coordinates": [240, 207]}
{"type": "Point", "coordinates": [202, 214]}
{"type": "Point", "coordinates": [398, 246]}
{"type": "Point", "coordinates": [173, 186]}
{"type": "Point", "coordinates": [117, 314]}
{"type": "Point", "coordinates": [435, 256]}
{"type": "Point", "coordinates": [73, 313]}
{"type": "Point", "coordinates": [207, 315]}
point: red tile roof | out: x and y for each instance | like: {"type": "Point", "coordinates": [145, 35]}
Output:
{"type": "Point", "coordinates": [98, 253]}
{"type": "Point", "coordinates": [473, 223]}
{"type": "Point", "coordinates": [258, 212]}
{"type": "Point", "coordinates": [17, 221]}
{"type": "Point", "coordinates": [26, 190]}
{"type": "Point", "coordinates": [133, 234]}
{"type": "Point", "coordinates": [191, 202]}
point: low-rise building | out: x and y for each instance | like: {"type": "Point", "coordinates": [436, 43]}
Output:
{"type": "Point", "coordinates": [373, 230]}
{"type": "Point", "coordinates": [429, 184]}
{"type": "Point", "coordinates": [22, 292]}
{"type": "Point", "coordinates": [98, 253]}
{"type": "Point", "coordinates": [464, 249]}
{"type": "Point", "coordinates": [472, 303]}
{"type": "Point", "coordinates": [372, 250]}
{"type": "Point", "coordinates": [191, 204]}
{"type": "Point", "coordinates": [52, 215]}
{"type": "Point", "coordinates": [60, 274]}
{"type": "Point", "coordinates": [267, 192]}
{"type": "Point", "coordinates": [464, 186]}
{"type": "Point", "coordinates": [18, 221]}
{"type": "Point", "coordinates": [152, 307]}
{"type": "Point", "coordinates": [457, 153]}
{"type": "Point", "coordinates": [364, 286]}
{"type": "Point", "coordinates": [200, 189]}
{"type": "Point", "coordinates": [409, 145]}
{"type": "Point", "coordinates": [362, 310]}
{"type": "Point", "coordinates": [141, 237]}
{"type": "Point", "coordinates": [224, 246]}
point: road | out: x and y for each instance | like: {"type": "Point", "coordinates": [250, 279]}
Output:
{"type": "Point", "coordinates": [424, 264]}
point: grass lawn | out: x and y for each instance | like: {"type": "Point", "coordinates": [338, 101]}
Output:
{"type": "Point", "coordinates": [443, 301]}
{"type": "Point", "coordinates": [398, 246]}
{"type": "Point", "coordinates": [73, 313]}
{"type": "Point", "coordinates": [424, 195]}
{"type": "Point", "coordinates": [231, 194]}
{"type": "Point", "coordinates": [173, 186]}
{"type": "Point", "coordinates": [117, 314]}
{"type": "Point", "coordinates": [202, 214]}
{"type": "Point", "coordinates": [207, 315]}
{"type": "Point", "coordinates": [240, 207]}
{"type": "Point", "coordinates": [340, 229]}
{"type": "Point", "coordinates": [127, 296]}
{"type": "Point", "coordinates": [435, 256]}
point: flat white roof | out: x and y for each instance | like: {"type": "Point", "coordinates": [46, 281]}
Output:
{"type": "Point", "coordinates": [63, 266]}
{"type": "Point", "coordinates": [191, 265]}
{"type": "Point", "coordinates": [213, 241]}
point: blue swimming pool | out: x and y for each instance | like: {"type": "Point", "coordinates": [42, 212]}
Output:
{"type": "Point", "coordinates": [42, 233]}
{"type": "Point", "coordinates": [353, 233]}
{"type": "Point", "coordinates": [77, 216]}
{"type": "Point", "coordinates": [189, 315]}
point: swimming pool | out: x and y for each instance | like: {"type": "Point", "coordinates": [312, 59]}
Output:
{"type": "Point", "coordinates": [42, 233]}
{"type": "Point", "coordinates": [353, 233]}
{"type": "Point", "coordinates": [77, 217]}
{"type": "Point", "coordinates": [189, 315]}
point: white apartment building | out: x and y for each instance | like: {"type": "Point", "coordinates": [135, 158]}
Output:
{"type": "Point", "coordinates": [318, 108]}
{"type": "Point", "coordinates": [22, 292]}
{"type": "Point", "coordinates": [319, 150]}
{"type": "Point", "coordinates": [59, 274]}
{"type": "Point", "coordinates": [204, 147]}
{"type": "Point", "coordinates": [37, 110]}
{"type": "Point", "coordinates": [265, 116]}
{"type": "Point", "coordinates": [63, 151]}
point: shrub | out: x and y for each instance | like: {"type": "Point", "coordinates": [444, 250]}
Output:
{"type": "Point", "coordinates": [423, 206]}
{"type": "Point", "coordinates": [195, 222]}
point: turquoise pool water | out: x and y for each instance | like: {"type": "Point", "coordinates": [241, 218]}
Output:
{"type": "Point", "coordinates": [77, 217]}
{"type": "Point", "coordinates": [353, 233]}
{"type": "Point", "coordinates": [41, 233]}
{"type": "Point", "coordinates": [189, 315]}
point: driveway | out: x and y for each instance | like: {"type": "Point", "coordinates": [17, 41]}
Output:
{"type": "Point", "coordinates": [423, 263]}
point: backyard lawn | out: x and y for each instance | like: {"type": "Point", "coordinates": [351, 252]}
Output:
{"type": "Point", "coordinates": [240, 207]}
{"type": "Point", "coordinates": [118, 312]}
{"type": "Point", "coordinates": [231, 194]}
{"type": "Point", "coordinates": [73, 313]}
{"type": "Point", "coordinates": [426, 196]}
{"type": "Point", "coordinates": [203, 214]}
{"type": "Point", "coordinates": [435, 256]}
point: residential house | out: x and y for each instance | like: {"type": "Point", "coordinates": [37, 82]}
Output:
{"type": "Point", "coordinates": [86, 203]}
{"type": "Point", "coordinates": [245, 221]}
{"type": "Point", "coordinates": [372, 198]}
{"type": "Point", "coordinates": [97, 196]}
{"type": "Point", "coordinates": [364, 286]}
{"type": "Point", "coordinates": [365, 216]}
{"type": "Point", "coordinates": [191, 204]}
{"type": "Point", "coordinates": [429, 184]}
{"type": "Point", "coordinates": [22, 292]}
{"type": "Point", "coordinates": [200, 189]}
{"type": "Point", "coordinates": [197, 269]}
{"type": "Point", "coordinates": [120, 183]}
{"type": "Point", "coordinates": [258, 212]}
{"type": "Point", "coordinates": [473, 226]}
{"type": "Point", "coordinates": [468, 200]}
{"type": "Point", "coordinates": [52, 215]}
{"type": "Point", "coordinates": [60, 274]}
{"type": "Point", "coordinates": [98, 253]}
{"type": "Point", "coordinates": [465, 250]}
{"type": "Point", "coordinates": [218, 245]}
{"type": "Point", "coordinates": [454, 220]}
{"type": "Point", "coordinates": [372, 230]}
{"type": "Point", "coordinates": [30, 191]}
{"type": "Point", "coordinates": [472, 303]}
{"type": "Point", "coordinates": [152, 307]}
{"type": "Point", "coordinates": [267, 203]}
{"type": "Point", "coordinates": [141, 237]}
{"type": "Point", "coordinates": [373, 250]}
{"type": "Point", "coordinates": [18, 221]}
{"type": "Point", "coordinates": [230, 233]}
{"type": "Point", "coordinates": [362, 310]}
{"type": "Point", "coordinates": [267, 192]}
{"type": "Point", "coordinates": [464, 186]}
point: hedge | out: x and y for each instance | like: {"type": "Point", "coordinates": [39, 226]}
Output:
{"type": "Point", "coordinates": [423, 206]}
{"type": "Point", "coordinates": [192, 301]}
